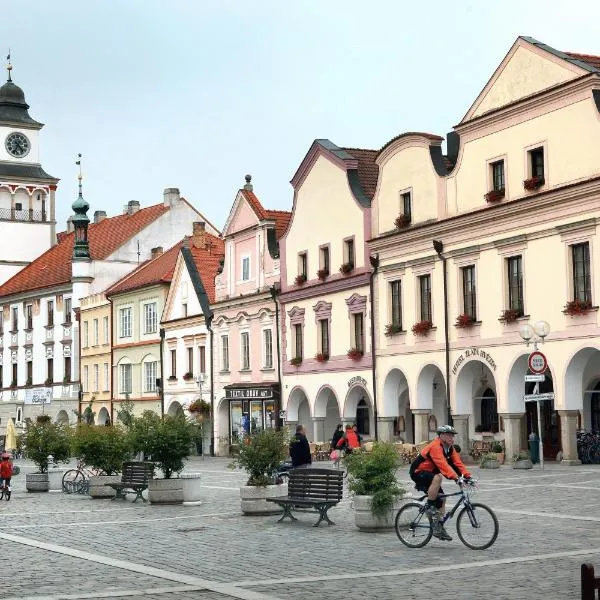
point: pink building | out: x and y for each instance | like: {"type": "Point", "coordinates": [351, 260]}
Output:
{"type": "Point", "coordinates": [246, 346]}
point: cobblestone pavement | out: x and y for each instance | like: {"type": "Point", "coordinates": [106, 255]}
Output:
{"type": "Point", "coordinates": [67, 546]}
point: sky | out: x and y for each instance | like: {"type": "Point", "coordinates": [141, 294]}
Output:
{"type": "Point", "coordinates": [194, 94]}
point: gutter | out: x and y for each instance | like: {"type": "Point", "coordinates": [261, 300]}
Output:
{"type": "Point", "coordinates": [110, 325]}
{"type": "Point", "coordinates": [274, 290]}
{"type": "Point", "coordinates": [375, 264]}
{"type": "Point", "coordinates": [162, 373]}
{"type": "Point", "coordinates": [209, 320]}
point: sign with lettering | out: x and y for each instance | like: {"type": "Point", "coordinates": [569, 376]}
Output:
{"type": "Point", "coordinates": [474, 352]}
{"type": "Point", "coordinates": [249, 393]}
{"type": "Point", "coordinates": [38, 395]}
{"type": "Point", "coordinates": [357, 381]}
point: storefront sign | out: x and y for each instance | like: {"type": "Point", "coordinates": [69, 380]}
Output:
{"type": "Point", "coordinates": [471, 352]}
{"type": "Point", "coordinates": [357, 381]}
{"type": "Point", "coordinates": [38, 396]}
{"type": "Point", "coordinates": [248, 393]}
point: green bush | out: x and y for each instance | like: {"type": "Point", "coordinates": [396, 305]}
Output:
{"type": "Point", "coordinates": [43, 439]}
{"type": "Point", "coordinates": [101, 447]}
{"type": "Point", "coordinates": [374, 474]}
{"type": "Point", "coordinates": [497, 447]}
{"type": "Point", "coordinates": [260, 454]}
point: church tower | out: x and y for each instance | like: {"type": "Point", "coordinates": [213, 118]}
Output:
{"type": "Point", "coordinates": [27, 192]}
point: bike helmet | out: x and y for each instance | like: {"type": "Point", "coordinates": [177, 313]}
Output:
{"type": "Point", "coordinates": [446, 429]}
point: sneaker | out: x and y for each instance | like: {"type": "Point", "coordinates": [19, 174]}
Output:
{"type": "Point", "coordinates": [439, 531]}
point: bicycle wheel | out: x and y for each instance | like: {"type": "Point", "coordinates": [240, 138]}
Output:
{"type": "Point", "coordinates": [7, 495]}
{"type": "Point", "coordinates": [477, 526]}
{"type": "Point", "coordinates": [413, 528]}
{"type": "Point", "coordinates": [72, 481]}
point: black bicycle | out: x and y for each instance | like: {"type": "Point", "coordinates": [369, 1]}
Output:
{"type": "Point", "coordinates": [476, 524]}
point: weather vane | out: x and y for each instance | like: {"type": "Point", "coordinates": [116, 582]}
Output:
{"type": "Point", "coordinates": [8, 65]}
{"type": "Point", "coordinates": [80, 176]}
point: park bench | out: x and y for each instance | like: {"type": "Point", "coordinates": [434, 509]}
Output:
{"type": "Point", "coordinates": [589, 583]}
{"type": "Point", "coordinates": [134, 479]}
{"type": "Point", "coordinates": [312, 488]}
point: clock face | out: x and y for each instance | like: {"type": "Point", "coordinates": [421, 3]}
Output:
{"type": "Point", "coordinates": [17, 144]}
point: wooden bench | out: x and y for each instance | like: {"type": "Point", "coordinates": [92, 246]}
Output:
{"type": "Point", "coordinates": [134, 479]}
{"type": "Point", "coordinates": [312, 488]}
{"type": "Point", "coordinates": [589, 583]}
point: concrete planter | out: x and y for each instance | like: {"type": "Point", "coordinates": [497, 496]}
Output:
{"type": "Point", "coordinates": [523, 464]}
{"type": "Point", "coordinates": [55, 479]}
{"type": "Point", "coordinates": [97, 488]}
{"type": "Point", "coordinates": [37, 482]}
{"type": "Point", "coordinates": [366, 521]}
{"type": "Point", "coordinates": [165, 491]}
{"type": "Point", "coordinates": [490, 464]}
{"type": "Point", "coordinates": [191, 488]}
{"type": "Point", "coordinates": [254, 499]}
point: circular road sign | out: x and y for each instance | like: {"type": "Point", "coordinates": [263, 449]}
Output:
{"type": "Point", "coordinates": [537, 362]}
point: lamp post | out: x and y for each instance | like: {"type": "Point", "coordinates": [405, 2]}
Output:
{"type": "Point", "coordinates": [535, 335]}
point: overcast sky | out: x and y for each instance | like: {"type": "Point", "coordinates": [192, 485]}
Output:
{"type": "Point", "coordinates": [194, 94]}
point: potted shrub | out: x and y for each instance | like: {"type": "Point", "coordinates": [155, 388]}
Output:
{"type": "Point", "coordinates": [296, 361]}
{"type": "Point", "coordinates": [510, 315]}
{"type": "Point", "coordinates": [577, 308]}
{"type": "Point", "coordinates": [498, 450]}
{"type": "Point", "coordinates": [260, 454]}
{"type": "Point", "coordinates": [167, 442]}
{"type": "Point", "coordinates": [522, 461]}
{"type": "Point", "coordinates": [355, 354]}
{"type": "Point", "coordinates": [322, 274]}
{"type": "Point", "coordinates": [103, 449]}
{"type": "Point", "coordinates": [422, 328]}
{"type": "Point", "coordinates": [346, 268]}
{"type": "Point", "coordinates": [372, 481]}
{"type": "Point", "coordinates": [464, 321]}
{"type": "Point", "coordinates": [199, 406]}
{"type": "Point", "coordinates": [489, 461]}
{"type": "Point", "coordinates": [494, 196]}
{"type": "Point", "coordinates": [300, 279]}
{"type": "Point", "coordinates": [533, 183]}
{"type": "Point", "coordinates": [321, 357]}
{"type": "Point", "coordinates": [402, 221]}
{"type": "Point", "coordinates": [43, 439]}
{"type": "Point", "coordinates": [188, 376]}
{"type": "Point", "coordinates": [392, 329]}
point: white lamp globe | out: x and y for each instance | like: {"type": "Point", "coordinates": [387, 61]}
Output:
{"type": "Point", "coordinates": [542, 328]}
{"type": "Point", "coordinates": [526, 331]}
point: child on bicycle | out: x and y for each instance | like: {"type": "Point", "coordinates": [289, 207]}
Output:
{"type": "Point", "coordinates": [6, 471]}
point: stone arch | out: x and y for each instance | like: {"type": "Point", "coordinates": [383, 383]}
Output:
{"type": "Point", "coordinates": [175, 409]}
{"type": "Point", "coordinates": [396, 404]}
{"type": "Point", "coordinates": [103, 416]}
{"type": "Point", "coordinates": [358, 408]}
{"type": "Point", "coordinates": [581, 378]}
{"type": "Point", "coordinates": [62, 417]}
{"type": "Point", "coordinates": [327, 408]}
{"type": "Point", "coordinates": [298, 406]}
{"type": "Point", "coordinates": [472, 381]}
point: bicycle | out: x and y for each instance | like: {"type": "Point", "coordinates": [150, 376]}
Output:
{"type": "Point", "coordinates": [414, 527]}
{"type": "Point", "coordinates": [5, 491]}
{"type": "Point", "coordinates": [75, 481]}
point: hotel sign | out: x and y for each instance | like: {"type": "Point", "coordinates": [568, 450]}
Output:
{"type": "Point", "coordinates": [38, 395]}
{"type": "Point", "coordinates": [474, 352]}
{"type": "Point", "coordinates": [248, 393]}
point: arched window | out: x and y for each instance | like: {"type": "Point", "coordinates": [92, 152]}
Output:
{"type": "Point", "coordinates": [362, 417]}
{"type": "Point", "coordinates": [489, 411]}
{"type": "Point", "coordinates": [595, 407]}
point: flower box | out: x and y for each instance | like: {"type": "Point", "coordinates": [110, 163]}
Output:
{"type": "Point", "coordinates": [346, 268]}
{"type": "Point", "coordinates": [464, 321]}
{"type": "Point", "coordinates": [49, 381]}
{"type": "Point", "coordinates": [533, 183]}
{"type": "Point", "coordinates": [577, 308]}
{"type": "Point", "coordinates": [322, 274]}
{"type": "Point", "coordinates": [188, 376]}
{"type": "Point", "coordinates": [320, 357]}
{"type": "Point", "coordinates": [510, 315]}
{"type": "Point", "coordinates": [300, 279]}
{"type": "Point", "coordinates": [402, 221]}
{"type": "Point", "coordinates": [494, 196]}
{"type": "Point", "coordinates": [422, 327]}
{"type": "Point", "coordinates": [392, 329]}
{"type": "Point", "coordinates": [355, 354]}
{"type": "Point", "coordinates": [172, 378]}
{"type": "Point", "coordinates": [296, 361]}
{"type": "Point", "coordinates": [199, 406]}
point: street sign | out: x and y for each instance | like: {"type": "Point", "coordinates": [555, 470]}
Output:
{"type": "Point", "coordinates": [537, 362]}
{"type": "Point", "coordinates": [538, 397]}
{"type": "Point", "coordinates": [537, 378]}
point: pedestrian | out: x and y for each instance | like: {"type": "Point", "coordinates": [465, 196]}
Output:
{"type": "Point", "coordinates": [358, 436]}
{"type": "Point", "coordinates": [350, 440]}
{"type": "Point", "coordinates": [6, 471]}
{"type": "Point", "coordinates": [300, 449]}
{"type": "Point", "coordinates": [337, 435]}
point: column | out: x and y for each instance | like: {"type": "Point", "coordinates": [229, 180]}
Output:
{"type": "Point", "coordinates": [461, 424]}
{"type": "Point", "coordinates": [513, 443]}
{"type": "Point", "coordinates": [568, 437]}
{"type": "Point", "coordinates": [385, 429]}
{"type": "Point", "coordinates": [291, 426]}
{"type": "Point", "coordinates": [318, 429]}
{"type": "Point", "coordinates": [421, 425]}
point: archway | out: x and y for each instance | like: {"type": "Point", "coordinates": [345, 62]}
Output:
{"type": "Point", "coordinates": [298, 408]}
{"type": "Point", "coordinates": [103, 417]}
{"type": "Point", "coordinates": [175, 409]}
{"type": "Point", "coordinates": [326, 414]}
{"type": "Point", "coordinates": [582, 378]}
{"type": "Point", "coordinates": [431, 396]}
{"type": "Point", "coordinates": [358, 409]}
{"type": "Point", "coordinates": [62, 417]}
{"type": "Point", "coordinates": [476, 395]}
{"type": "Point", "coordinates": [396, 404]}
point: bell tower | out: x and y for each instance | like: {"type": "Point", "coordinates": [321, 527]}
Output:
{"type": "Point", "coordinates": [27, 192]}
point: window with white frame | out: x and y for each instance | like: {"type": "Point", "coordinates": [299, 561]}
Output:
{"type": "Point", "coordinates": [349, 252]}
{"type": "Point", "coordinates": [125, 322]}
{"type": "Point", "coordinates": [225, 353]}
{"type": "Point", "coordinates": [358, 322]}
{"type": "Point", "coordinates": [514, 268]}
{"type": "Point", "coordinates": [396, 303]}
{"type": "Point", "coordinates": [29, 316]}
{"type": "Point", "coordinates": [14, 318]}
{"type": "Point", "coordinates": [324, 337]}
{"type": "Point", "coordinates": [324, 259]}
{"type": "Point", "coordinates": [245, 268]}
{"type": "Point", "coordinates": [125, 378]}
{"type": "Point", "coordinates": [202, 359]}
{"type": "Point", "coordinates": [86, 378]}
{"type": "Point", "coordinates": [268, 345]}
{"type": "Point", "coordinates": [190, 360]}
{"type": "Point", "coordinates": [425, 298]}
{"type": "Point", "coordinates": [96, 332]}
{"type": "Point", "coordinates": [67, 313]}
{"type": "Point", "coordinates": [497, 173]}
{"type": "Point", "coordinates": [469, 291]}
{"type": "Point", "coordinates": [406, 206]}
{"type": "Point", "coordinates": [150, 371]}
{"type": "Point", "coordinates": [298, 343]}
{"type": "Point", "coordinates": [245, 342]}
{"type": "Point", "coordinates": [86, 334]}
{"type": "Point", "coordinates": [106, 378]}
{"type": "Point", "coordinates": [173, 364]}
{"type": "Point", "coordinates": [581, 272]}
{"type": "Point", "coordinates": [150, 317]}
{"type": "Point", "coordinates": [96, 378]}
{"type": "Point", "coordinates": [105, 327]}
{"type": "Point", "coordinates": [50, 313]}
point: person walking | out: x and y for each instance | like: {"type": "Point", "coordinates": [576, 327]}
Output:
{"type": "Point", "coordinates": [300, 449]}
{"type": "Point", "coordinates": [338, 434]}
{"type": "Point", "coordinates": [350, 440]}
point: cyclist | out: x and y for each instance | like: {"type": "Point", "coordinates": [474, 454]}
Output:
{"type": "Point", "coordinates": [439, 458]}
{"type": "Point", "coordinates": [6, 471]}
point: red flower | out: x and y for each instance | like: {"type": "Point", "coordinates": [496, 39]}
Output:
{"type": "Point", "coordinates": [402, 221]}
{"type": "Point", "coordinates": [300, 279]}
{"type": "Point", "coordinates": [494, 195]}
{"type": "Point", "coordinates": [422, 327]}
{"type": "Point", "coordinates": [576, 308]}
{"type": "Point", "coordinates": [533, 183]}
{"type": "Point", "coordinates": [464, 321]}
{"type": "Point", "coordinates": [355, 353]}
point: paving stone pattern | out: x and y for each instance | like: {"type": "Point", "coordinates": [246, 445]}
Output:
{"type": "Point", "coordinates": [69, 546]}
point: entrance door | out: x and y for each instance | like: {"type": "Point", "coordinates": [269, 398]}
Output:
{"type": "Point", "coordinates": [362, 417]}
{"type": "Point", "coordinates": [549, 417]}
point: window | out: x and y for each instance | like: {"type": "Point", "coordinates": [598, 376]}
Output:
{"type": "Point", "coordinates": [324, 259]}
{"type": "Point", "coordinates": [125, 378]}
{"type": "Point", "coordinates": [67, 310]}
{"type": "Point", "coordinates": [202, 359]}
{"type": "Point", "coordinates": [245, 339]}
{"type": "Point", "coordinates": [106, 377]}
{"type": "Point", "coordinates": [359, 333]}
{"type": "Point", "coordinates": [489, 411]}
{"type": "Point", "coordinates": [150, 318]}
{"type": "Point", "coordinates": [29, 316]}
{"type": "Point", "coordinates": [396, 303]}
{"type": "Point", "coordinates": [29, 372]}
{"type": "Point", "coordinates": [324, 336]}
{"type": "Point", "coordinates": [303, 264]}
{"type": "Point", "coordinates": [1, 376]}
{"type": "Point", "coordinates": [224, 353]}
{"type": "Point", "coordinates": [174, 364]}
{"type": "Point", "coordinates": [14, 374]}
{"type": "Point", "coordinates": [536, 162]}
{"type": "Point", "coordinates": [105, 328]}
{"type": "Point", "coordinates": [190, 360]}
{"type": "Point", "coordinates": [50, 307]}
{"type": "Point", "coordinates": [85, 381]}
{"type": "Point", "coordinates": [96, 378]}
{"type": "Point", "coordinates": [425, 297]}
{"type": "Point", "coordinates": [582, 287]}
{"type": "Point", "coordinates": [406, 206]}
{"type": "Point", "coordinates": [468, 289]}
{"type": "Point", "coordinates": [86, 340]}
{"type": "Point", "coordinates": [15, 318]}
{"type": "Point", "coordinates": [67, 366]}
{"type": "Point", "coordinates": [1, 323]}
{"type": "Point", "coordinates": [245, 268]}
{"type": "Point", "coordinates": [150, 369]}
{"type": "Point", "coordinates": [125, 322]}
{"type": "Point", "coordinates": [298, 353]}
{"type": "Point", "coordinates": [514, 266]}
{"type": "Point", "coordinates": [498, 175]}
{"type": "Point", "coordinates": [184, 312]}
{"type": "Point", "coordinates": [268, 341]}
{"type": "Point", "coordinates": [50, 370]}
{"type": "Point", "coordinates": [349, 252]}
{"type": "Point", "coordinates": [96, 332]}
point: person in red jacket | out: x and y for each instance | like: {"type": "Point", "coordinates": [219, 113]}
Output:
{"type": "Point", "coordinates": [437, 460]}
{"type": "Point", "coordinates": [350, 440]}
{"type": "Point", "coordinates": [6, 471]}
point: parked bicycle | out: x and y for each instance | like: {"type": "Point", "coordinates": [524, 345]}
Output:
{"type": "Point", "coordinates": [76, 481]}
{"type": "Point", "coordinates": [588, 447]}
{"type": "Point", "coordinates": [5, 491]}
{"type": "Point", "coordinates": [476, 524]}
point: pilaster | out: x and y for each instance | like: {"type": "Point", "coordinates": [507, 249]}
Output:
{"type": "Point", "coordinates": [385, 429]}
{"type": "Point", "coordinates": [421, 424]}
{"type": "Point", "coordinates": [568, 435]}
{"type": "Point", "coordinates": [512, 434]}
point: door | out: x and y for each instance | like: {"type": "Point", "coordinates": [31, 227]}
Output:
{"type": "Point", "coordinates": [550, 418]}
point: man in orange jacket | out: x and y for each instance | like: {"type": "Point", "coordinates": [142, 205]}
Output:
{"type": "Point", "coordinates": [439, 458]}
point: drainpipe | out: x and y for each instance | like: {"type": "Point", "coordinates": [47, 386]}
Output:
{"type": "Point", "coordinates": [162, 373]}
{"type": "Point", "coordinates": [375, 264]}
{"type": "Point", "coordinates": [110, 325]}
{"type": "Point", "coordinates": [438, 246]}
{"type": "Point", "coordinates": [80, 392]}
{"type": "Point", "coordinates": [274, 290]}
{"type": "Point", "coordinates": [212, 385]}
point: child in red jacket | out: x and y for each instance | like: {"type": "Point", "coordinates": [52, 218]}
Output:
{"type": "Point", "coordinates": [6, 471]}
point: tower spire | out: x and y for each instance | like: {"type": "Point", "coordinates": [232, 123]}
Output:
{"type": "Point", "coordinates": [80, 220]}
{"type": "Point", "coordinates": [8, 65]}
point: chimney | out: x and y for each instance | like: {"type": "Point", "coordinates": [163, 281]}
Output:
{"type": "Point", "coordinates": [132, 207]}
{"type": "Point", "coordinates": [70, 226]}
{"type": "Point", "coordinates": [156, 251]}
{"type": "Point", "coordinates": [186, 242]}
{"type": "Point", "coordinates": [199, 234]}
{"type": "Point", "coordinates": [171, 196]}
{"type": "Point", "coordinates": [99, 216]}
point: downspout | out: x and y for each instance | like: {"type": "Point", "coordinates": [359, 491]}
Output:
{"type": "Point", "coordinates": [375, 264]}
{"type": "Point", "coordinates": [80, 393]}
{"type": "Point", "coordinates": [274, 292]}
{"type": "Point", "coordinates": [212, 385]}
{"type": "Point", "coordinates": [110, 325]}
{"type": "Point", "coordinates": [162, 373]}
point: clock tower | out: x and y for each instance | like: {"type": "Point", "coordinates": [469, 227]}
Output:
{"type": "Point", "coordinates": [27, 192]}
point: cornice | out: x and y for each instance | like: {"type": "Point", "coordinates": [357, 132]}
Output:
{"type": "Point", "coordinates": [321, 290]}
{"type": "Point", "coordinates": [407, 140]}
{"type": "Point", "coordinates": [35, 294]}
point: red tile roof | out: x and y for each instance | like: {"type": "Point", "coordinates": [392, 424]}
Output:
{"type": "Point", "coordinates": [208, 263]}
{"type": "Point", "coordinates": [254, 202]}
{"type": "Point", "coordinates": [368, 170]}
{"type": "Point", "coordinates": [590, 59]}
{"type": "Point", "coordinates": [54, 266]}
{"type": "Point", "coordinates": [282, 219]}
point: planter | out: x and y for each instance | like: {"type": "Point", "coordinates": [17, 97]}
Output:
{"type": "Point", "coordinates": [191, 488]}
{"type": "Point", "coordinates": [55, 479]}
{"type": "Point", "coordinates": [500, 457]}
{"type": "Point", "coordinates": [366, 521]}
{"type": "Point", "coordinates": [490, 464]}
{"type": "Point", "coordinates": [37, 482]}
{"type": "Point", "coordinates": [165, 491]}
{"type": "Point", "coordinates": [254, 499]}
{"type": "Point", "coordinates": [523, 464]}
{"type": "Point", "coordinates": [97, 488]}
